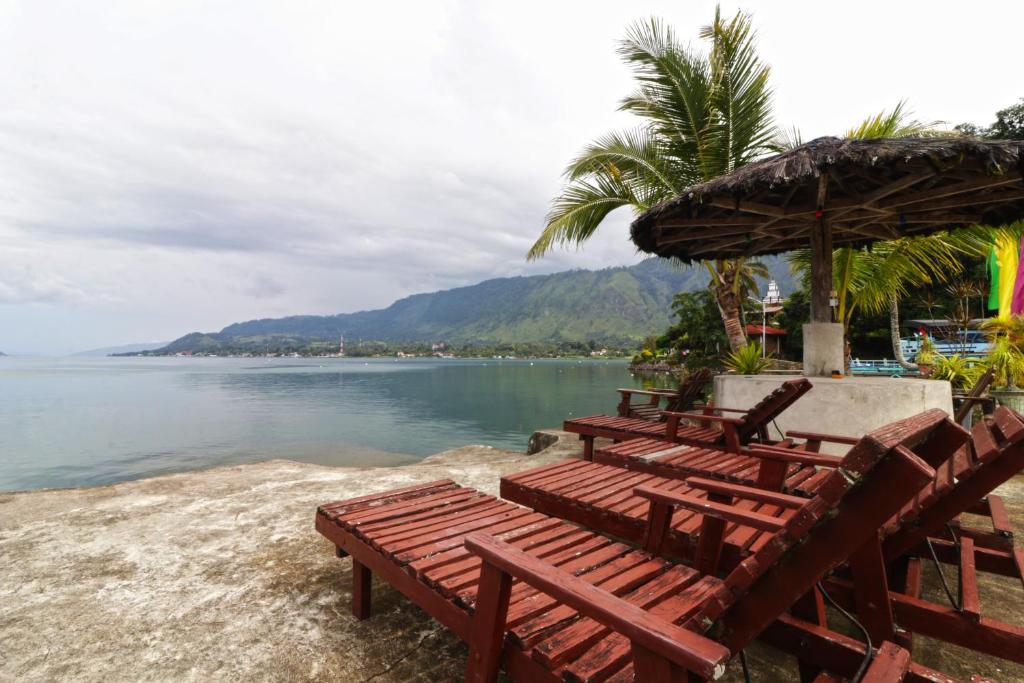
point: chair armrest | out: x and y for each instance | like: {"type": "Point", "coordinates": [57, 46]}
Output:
{"type": "Point", "coordinates": [831, 438]}
{"type": "Point", "coordinates": [730, 410]}
{"type": "Point", "coordinates": [746, 492]}
{"type": "Point", "coordinates": [726, 513]}
{"type": "Point", "coordinates": [646, 392]}
{"type": "Point", "coordinates": [793, 455]}
{"type": "Point", "coordinates": [698, 417]}
{"type": "Point", "coordinates": [687, 649]}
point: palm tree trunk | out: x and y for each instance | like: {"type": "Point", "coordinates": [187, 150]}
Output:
{"type": "Point", "coordinates": [894, 331]}
{"type": "Point", "coordinates": [729, 307]}
{"type": "Point", "coordinates": [723, 287]}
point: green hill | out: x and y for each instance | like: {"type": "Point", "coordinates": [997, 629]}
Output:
{"type": "Point", "coordinates": [611, 306]}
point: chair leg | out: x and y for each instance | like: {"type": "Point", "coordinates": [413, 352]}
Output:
{"type": "Point", "coordinates": [588, 448]}
{"type": "Point", "coordinates": [362, 580]}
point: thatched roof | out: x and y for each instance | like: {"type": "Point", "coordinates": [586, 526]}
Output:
{"type": "Point", "coordinates": [865, 189]}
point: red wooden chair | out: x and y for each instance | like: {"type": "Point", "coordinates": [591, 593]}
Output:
{"type": "Point", "coordinates": [678, 461]}
{"type": "Point", "coordinates": [692, 388]}
{"type": "Point", "coordinates": [966, 474]}
{"type": "Point", "coordinates": [731, 431]}
{"type": "Point", "coordinates": [602, 497]}
{"type": "Point", "coordinates": [548, 599]}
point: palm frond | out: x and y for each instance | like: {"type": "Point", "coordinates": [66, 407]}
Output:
{"type": "Point", "coordinates": [636, 154]}
{"type": "Point", "coordinates": [581, 207]}
{"type": "Point", "coordinates": [895, 124]}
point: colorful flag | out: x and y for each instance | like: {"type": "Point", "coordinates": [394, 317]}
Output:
{"type": "Point", "coordinates": [1008, 255]}
{"type": "Point", "coordinates": [993, 272]}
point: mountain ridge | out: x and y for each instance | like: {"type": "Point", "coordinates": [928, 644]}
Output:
{"type": "Point", "coordinates": [620, 305]}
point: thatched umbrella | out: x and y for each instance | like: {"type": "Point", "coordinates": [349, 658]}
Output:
{"type": "Point", "coordinates": [832, 192]}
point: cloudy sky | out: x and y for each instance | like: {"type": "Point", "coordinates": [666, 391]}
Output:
{"type": "Point", "coordinates": [175, 166]}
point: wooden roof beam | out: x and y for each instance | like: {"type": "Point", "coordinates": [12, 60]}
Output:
{"type": "Point", "coordinates": [750, 207]}
{"type": "Point", "coordinates": [950, 190]}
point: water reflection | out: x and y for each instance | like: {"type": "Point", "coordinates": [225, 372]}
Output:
{"type": "Point", "coordinates": [85, 422]}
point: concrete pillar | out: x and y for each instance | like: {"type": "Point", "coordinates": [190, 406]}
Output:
{"type": "Point", "coordinates": [823, 349]}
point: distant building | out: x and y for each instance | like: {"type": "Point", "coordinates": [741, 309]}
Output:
{"type": "Point", "coordinates": [773, 337]}
{"type": "Point", "coordinates": [341, 345]}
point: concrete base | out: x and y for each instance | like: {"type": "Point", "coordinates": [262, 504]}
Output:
{"type": "Point", "coordinates": [823, 349]}
{"type": "Point", "coordinates": [848, 407]}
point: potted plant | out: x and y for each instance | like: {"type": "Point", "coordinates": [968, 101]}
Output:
{"type": "Point", "coordinates": [1007, 358]}
{"type": "Point", "coordinates": [925, 357]}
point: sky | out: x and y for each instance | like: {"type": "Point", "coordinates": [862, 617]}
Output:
{"type": "Point", "coordinates": [167, 167]}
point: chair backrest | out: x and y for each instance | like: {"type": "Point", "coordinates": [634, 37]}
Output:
{"type": "Point", "coordinates": [755, 421]}
{"type": "Point", "coordinates": [993, 454]}
{"type": "Point", "coordinates": [873, 481]}
{"type": "Point", "coordinates": [691, 388]}
{"type": "Point", "coordinates": [976, 391]}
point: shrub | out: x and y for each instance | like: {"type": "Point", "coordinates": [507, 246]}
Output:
{"type": "Point", "coordinates": [748, 360]}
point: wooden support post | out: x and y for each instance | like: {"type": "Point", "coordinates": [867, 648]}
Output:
{"type": "Point", "coordinates": [659, 519]}
{"type": "Point", "coordinates": [771, 474]}
{"type": "Point", "coordinates": [821, 259]}
{"type": "Point", "coordinates": [649, 666]}
{"type": "Point", "coordinates": [672, 427]}
{"type": "Point", "coordinates": [732, 437]}
{"type": "Point", "coordinates": [811, 608]}
{"type": "Point", "coordinates": [891, 663]}
{"type": "Point", "coordinates": [911, 587]}
{"type": "Point", "coordinates": [362, 581]}
{"type": "Point", "coordinates": [871, 591]}
{"type": "Point", "coordinates": [969, 579]}
{"type": "Point", "coordinates": [712, 534]}
{"type": "Point", "coordinates": [588, 447]}
{"type": "Point", "coordinates": [623, 407]}
{"type": "Point", "coordinates": [487, 635]}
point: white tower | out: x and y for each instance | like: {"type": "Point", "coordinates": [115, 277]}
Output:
{"type": "Point", "coordinates": [341, 345]}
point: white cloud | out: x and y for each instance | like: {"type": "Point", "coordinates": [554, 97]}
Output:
{"type": "Point", "coordinates": [180, 166]}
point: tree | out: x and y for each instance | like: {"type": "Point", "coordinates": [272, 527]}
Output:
{"type": "Point", "coordinates": [704, 115]}
{"type": "Point", "coordinates": [697, 332]}
{"type": "Point", "coordinates": [1009, 125]}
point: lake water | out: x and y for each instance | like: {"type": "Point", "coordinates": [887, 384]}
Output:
{"type": "Point", "coordinates": [87, 421]}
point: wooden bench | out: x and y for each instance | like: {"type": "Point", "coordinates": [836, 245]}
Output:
{"type": "Point", "coordinates": [712, 426]}
{"type": "Point", "coordinates": [523, 588]}
{"type": "Point", "coordinates": [692, 387]}
{"type": "Point", "coordinates": [966, 471]}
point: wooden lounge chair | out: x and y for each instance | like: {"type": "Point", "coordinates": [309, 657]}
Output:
{"type": "Point", "coordinates": [550, 600]}
{"type": "Point", "coordinates": [692, 388]}
{"type": "Point", "coordinates": [732, 431]}
{"type": "Point", "coordinates": [965, 478]}
{"type": "Point", "coordinates": [601, 496]}
{"type": "Point", "coordinates": [679, 461]}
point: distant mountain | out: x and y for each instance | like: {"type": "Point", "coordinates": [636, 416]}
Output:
{"type": "Point", "coordinates": [2, 353]}
{"type": "Point", "coordinates": [124, 348]}
{"type": "Point", "coordinates": [610, 306]}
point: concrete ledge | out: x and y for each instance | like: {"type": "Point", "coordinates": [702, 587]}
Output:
{"type": "Point", "coordinates": [850, 406]}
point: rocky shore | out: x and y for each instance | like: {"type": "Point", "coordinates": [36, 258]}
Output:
{"type": "Point", "coordinates": [219, 575]}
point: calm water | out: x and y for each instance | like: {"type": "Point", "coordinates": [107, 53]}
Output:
{"type": "Point", "coordinates": [80, 422]}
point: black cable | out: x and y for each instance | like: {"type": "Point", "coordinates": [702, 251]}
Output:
{"type": "Point", "coordinates": [956, 603]}
{"type": "Point", "coordinates": [869, 650]}
{"type": "Point", "coordinates": [743, 663]}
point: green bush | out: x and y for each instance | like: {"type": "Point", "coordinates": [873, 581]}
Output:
{"type": "Point", "coordinates": [748, 360]}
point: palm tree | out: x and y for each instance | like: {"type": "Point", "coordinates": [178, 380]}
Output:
{"type": "Point", "coordinates": [704, 115]}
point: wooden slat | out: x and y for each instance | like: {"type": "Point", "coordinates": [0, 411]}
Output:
{"type": "Point", "coordinates": [696, 653]}
{"type": "Point", "coordinates": [969, 579]}
{"type": "Point", "coordinates": [890, 665]}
